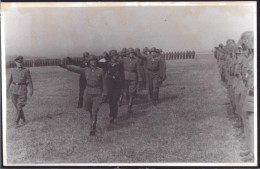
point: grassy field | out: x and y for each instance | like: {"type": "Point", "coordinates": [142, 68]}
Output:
{"type": "Point", "coordinates": [190, 123]}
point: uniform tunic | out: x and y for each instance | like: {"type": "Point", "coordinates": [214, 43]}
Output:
{"type": "Point", "coordinates": [115, 82]}
{"type": "Point", "coordinates": [95, 87]}
{"type": "Point", "coordinates": [132, 74]}
{"type": "Point", "coordinates": [19, 79]}
{"type": "Point", "coordinates": [155, 74]}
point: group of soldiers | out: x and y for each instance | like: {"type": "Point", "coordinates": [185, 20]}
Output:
{"type": "Point", "coordinates": [103, 79]}
{"type": "Point", "coordinates": [235, 62]}
{"type": "Point", "coordinates": [180, 55]}
{"type": "Point", "coordinates": [109, 77]}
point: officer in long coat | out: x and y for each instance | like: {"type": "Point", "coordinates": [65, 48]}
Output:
{"type": "Point", "coordinates": [96, 88]}
{"type": "Point", "coordinates": [115, 83]}
{"type": "Point", "coordinates": [18, 81]}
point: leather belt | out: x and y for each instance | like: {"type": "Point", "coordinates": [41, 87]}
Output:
{"type": "Point", "coordinates": [94, 86]}
{"type": "Point", "coordinates": [15, 83]}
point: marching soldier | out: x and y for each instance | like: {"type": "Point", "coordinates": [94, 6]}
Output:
{"type": "Point", "coordinates": [161, 55]}
{"type": "Point", "coordinates": [96, 88]}
{"type": "Point", "coordinates": [18, 81]}
{"type": "Point", "coordinates": [155, 74]}
{"type": "Point", "coordinates": [132, 76]}
{"type": "Point", "coordinates": [82, 80]}
{"type": "Point", "coordinates": [115, 82]}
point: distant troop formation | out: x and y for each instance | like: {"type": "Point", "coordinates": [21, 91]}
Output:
{"type": "Point", "coordinates": [180, 55]}
{"type": "Point", "coordinates": [236, 68]}
{"type": "Point", "coordinates": [116, 74]}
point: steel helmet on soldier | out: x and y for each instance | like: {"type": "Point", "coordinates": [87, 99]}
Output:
{"type": "Point", "coordinates": [145, 49]}
{"type": "Point", "coordinates": [124, 50]}
{"type": "Point", "coordinates": [247, 38]}
{"type": "Point", "coordinates": [131, 50]}
{"type": "Point", "coordinates": [112, 53]}
{"type": "Point", "coordinates": [92, 57]}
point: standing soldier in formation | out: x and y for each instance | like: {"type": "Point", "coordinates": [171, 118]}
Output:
{"type": "Point", "coordinates": [168, 54]}
{"type": "Point", "coordinates": [187, 55]}
{"type": "Point", "coordinates": [132, 76]}
{"type": "Point", "coordinates": [193, 54]}
{"type": "Point", "coordinates": [82, 80]}
{"type": "Point", "coordinates": [19, 79]}
{"type": "Point", "coordinates": [96, 88]}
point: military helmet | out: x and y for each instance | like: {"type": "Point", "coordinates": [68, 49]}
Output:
{"type": "Point", "coordinates": [145, 49]}
{"type": "Point", "coordinates": [85, 54]}
{"type": "Point", "coordinates": [124, 50]}
{"type": "Point", "coordinates": [131, 50]}
{"type": "Point", "coordinates": [153, 49]}
{"type": "Point", "coordinates": [92, 57]}
{"type": "Point", "coordinates": [247, 38]}
{"type": "Point", "coordinates": [113, 53]}
{"type": "Point", "coordinates": [137, 49]}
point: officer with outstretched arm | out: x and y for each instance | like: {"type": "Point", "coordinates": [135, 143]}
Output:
{"type": "Point", "coordinates": [96, 88]}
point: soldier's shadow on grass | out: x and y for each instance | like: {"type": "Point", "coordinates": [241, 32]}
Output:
{"type": "Point", "coordinates": [168, 84]}
{"type": "Point", "coordinates": [125, 120]}
{"type": "Point", "coordinates": [140, 109]}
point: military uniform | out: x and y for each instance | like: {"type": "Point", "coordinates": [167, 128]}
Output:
{"type": "Point", "coordinates": [132, 76]}
{"type": "Point", "coordinates": [115, 83]}
{"type": "Point", "coordinates": [155, 74]}
{"type": "Point", "coordinates": [96, 90]}
{"type": "Point", "coordinates": [18, 81]}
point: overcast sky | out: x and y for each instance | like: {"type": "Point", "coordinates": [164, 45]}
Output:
{"type": "Point", "coordinates": [61, 32]}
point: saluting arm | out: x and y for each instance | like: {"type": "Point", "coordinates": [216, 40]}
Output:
{"type": "Point", "coordinates": [75, 69]}
{"type": "Point", "coordinates": [139, 55]}
{"type": "Point", "coordinates": [73, 62]}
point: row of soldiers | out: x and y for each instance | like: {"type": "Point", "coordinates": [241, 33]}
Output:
{"type": "Point", "coordinates": [180, 55]}
{"type": "Point", "coordinates": [235, 62]}
{"type": "Point", "coordinates": [108, 77]}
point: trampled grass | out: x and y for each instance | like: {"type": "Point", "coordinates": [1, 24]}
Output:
{"type": "Point", "coordinates": [189, 124]}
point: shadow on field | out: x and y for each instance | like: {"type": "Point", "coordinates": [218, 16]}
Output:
{"type": "Point", "coordinates": [167, 98]}
{"type": "Point", "coordinates": [125, 120]}
{"type": "Point", "coordinates": [169, 84]}
{"type": "Point", "coordinates": [48, 116]}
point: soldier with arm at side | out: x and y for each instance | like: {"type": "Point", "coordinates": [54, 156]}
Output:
{"type": "Point", "coordinates": [17, 84]}
{"type": "Point", "coordinates": [132, 76]}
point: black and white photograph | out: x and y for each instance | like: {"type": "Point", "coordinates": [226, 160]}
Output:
{"type": "Point", "coordinates": [129, 83]}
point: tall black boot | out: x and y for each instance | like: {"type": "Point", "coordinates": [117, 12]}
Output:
{"type": "Point", "coordinates": [18, 116]}
{"type": "Point", "coordinates": [22, 116]}
{"type": "Point", "coordinates": [130, 104]}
